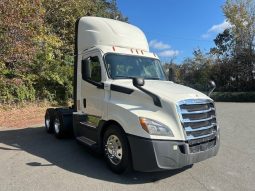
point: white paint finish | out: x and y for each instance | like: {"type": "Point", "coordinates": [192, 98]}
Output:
{"type": "Point", "coordinates": [95, 103]}
{"type": "Point", "coordinates": [97, 36]}
{"type": "Point", "coordinates": [126, 109]}
{"type": "Point", "coordinates": [78, 83]}
{"type": "Point", "coordinates": [166, 90]}
{"type": "Point", "coordinates": [124, 50]}
{"type": "Point", "coordinates": [94, 31]}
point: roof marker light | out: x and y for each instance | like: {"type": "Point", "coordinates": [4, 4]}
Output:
{"type": "Point", "coordinates": [137, 52]}
{"type": "Point", "coordinates": [131, 50]}
{"type": "Point", "coordinates": [142, 52]}
{"type": "Point", "coordinates": [113, 48]}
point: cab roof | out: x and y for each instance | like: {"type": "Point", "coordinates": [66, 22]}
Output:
{"type": "Point", "coordinates": [95, 31]}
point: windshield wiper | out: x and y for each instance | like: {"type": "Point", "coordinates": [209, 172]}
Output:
{"type": "Point", "coordinates": [152, 78]}
{"type": "Point", "coordinates": [123, 77]}
{"type": "Point", "coordinates": [131, 77]}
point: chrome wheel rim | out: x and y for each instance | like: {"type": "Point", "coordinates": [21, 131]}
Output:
{"type": "Point", "coordinates": [113, 149]}
{"type": "Point", "coordinates": [47, 122]}
{"type": "Point", "coordinates": [56, 125]}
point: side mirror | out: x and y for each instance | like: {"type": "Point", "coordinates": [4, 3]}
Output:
{"type": "Point", "coordinates": [171, 74]}
{"type": "Point", "coordinates": [212, 87]}
{"type": "Point", "coordinates": [86, 69]}
{"type": "Point", "coordinates": [138, 82]}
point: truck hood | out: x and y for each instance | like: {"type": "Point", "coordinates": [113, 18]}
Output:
{"type": "Point", "coordinates": [166, 90]}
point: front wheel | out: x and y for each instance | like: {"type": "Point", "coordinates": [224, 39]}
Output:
{"type": "Point", "coordinates": [116, 149]}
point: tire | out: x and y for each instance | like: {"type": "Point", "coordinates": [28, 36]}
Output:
{"type": "Point", "coordinates": [62, 125]}
{"type": "Point", "coordinates": [116, 150]}
{"type": "Point", "coordinates": [49, 120]}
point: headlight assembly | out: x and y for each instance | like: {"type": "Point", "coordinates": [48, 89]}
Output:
{"type": "Point", "coordinates": [154, 127]}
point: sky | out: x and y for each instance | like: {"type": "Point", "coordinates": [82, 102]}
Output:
{"type": "Point", "coordinates": [175, 28]}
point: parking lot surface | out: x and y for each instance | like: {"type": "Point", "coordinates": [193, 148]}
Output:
{"type": "Point", "coordinates": [31, 159]}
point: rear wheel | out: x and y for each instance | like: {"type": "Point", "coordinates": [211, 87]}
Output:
{"type": "Point", "coordinates": [49, 120]}
{"type": "Point", "coordinates": [62, 124]}
{"type": "Point", "coordinates": [116, 149]}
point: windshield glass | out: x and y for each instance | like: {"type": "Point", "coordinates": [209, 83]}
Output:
{"type": "Point", "coordinates": [126, 66]}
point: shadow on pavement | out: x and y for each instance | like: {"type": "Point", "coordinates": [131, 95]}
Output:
{"type": "Point", "coordinates": [69, 155]}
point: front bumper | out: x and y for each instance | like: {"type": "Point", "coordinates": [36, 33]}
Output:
{"type": "Point", "coordinates": [155, 155]}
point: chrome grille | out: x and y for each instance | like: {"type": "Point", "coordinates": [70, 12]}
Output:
{"type": "Point", "coordinates": [199, 122]}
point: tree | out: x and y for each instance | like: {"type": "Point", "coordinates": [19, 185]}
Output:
{"type": "Point", "coordinates": [235, 49]}
{"type": "Point", "coordinates": [20, 23]}
{"type": "Point", "coordinates": [37, 39]}
{"type": "Point", "coordinates": [196, 72]}
{"type": "Point", "coordinates": [241, 15]}
{"type": "Point", "coordinates": [224, 44]}
{"type": "Point", "coordinates": [62, 14]}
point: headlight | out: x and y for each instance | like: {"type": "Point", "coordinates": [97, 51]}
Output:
{"type": "Point", "coordinates": [154, 127]}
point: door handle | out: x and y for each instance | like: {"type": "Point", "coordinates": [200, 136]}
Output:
{"type": "Point", "coordinates": [84, 103]}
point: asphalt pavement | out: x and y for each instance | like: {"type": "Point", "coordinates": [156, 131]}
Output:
{"type": "Point", "coordinates": [31, 159]}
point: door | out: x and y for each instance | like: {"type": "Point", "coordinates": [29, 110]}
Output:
{"type": "Point", "coordinates": [92, 94]}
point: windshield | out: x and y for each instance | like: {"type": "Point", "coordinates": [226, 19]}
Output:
{"type": "Point", "coordinates": [126, 66]}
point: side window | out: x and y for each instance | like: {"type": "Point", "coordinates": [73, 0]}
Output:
{"type": "Point", "coordinates": [94, 68]}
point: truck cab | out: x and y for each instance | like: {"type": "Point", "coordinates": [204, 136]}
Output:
{"type": "Point", "coordinates": [125, 107]}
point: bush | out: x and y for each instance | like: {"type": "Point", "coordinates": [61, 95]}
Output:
{"type": "Point", "coordinates": [54, 78]}
{"type": "Point", "coordinates": [16, 91]}
{"type": "Point", "coordinates": [234, 96]}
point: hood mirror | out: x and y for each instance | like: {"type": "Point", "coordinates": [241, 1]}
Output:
{"type": "Point", "coordinates": [212, 87]}
{"type": "Point", "coordinates": [138, 82]}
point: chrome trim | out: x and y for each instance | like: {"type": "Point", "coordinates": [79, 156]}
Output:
{"type": "Point", "coordinates": [187, 116]}
{"type": "Point", "coordinates": [194, 102]}
{"type": "Point", "coordinates": [189, 129]}
{"type": "Point", "coordinates": [86, 140]}
{"type": "Point", "coordinates": [113, 149]}
{"type": "Point", "coordinates": [57, 125]}
{"type": "Point", "coordinates": [88, 125]}
{"type": "Point", "coordinates": [184, 111]}
{"type": "Point", "coordinates": [47, 122]}
{"type": "Point", "coordinates": [191, 137]}
{"type": "Point", "coordinates": [198, 120]}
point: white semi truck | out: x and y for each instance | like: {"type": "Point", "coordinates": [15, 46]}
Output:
{"type": "Point", "coordinates": [125, 108]}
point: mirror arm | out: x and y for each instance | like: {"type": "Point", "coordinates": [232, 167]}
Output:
{"type": "Point", "coordinates": [155, 98]}
{"type": "Point", "coordinates": [211, 91]}
{"type": "Point", "coordinates": [212, 83]}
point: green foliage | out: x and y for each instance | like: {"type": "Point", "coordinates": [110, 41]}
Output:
{"type": "Point", "coordinates": [37, 39]}
{"type": "Point", "coordinates": [241, 15]}
{"type": "Point", "coordinates": [224, 44]}
{"type": "Point", "coordinates": [61, 15]}
{"type": "Point", "coordinates": [194, 72]}
{"type": "Point", "coordinates": [234, 96]}
{"type": "Point", "coordinates": [54, 77]}
{"type": "Point", "coordinates": [16, 91]}
{"type": "Point", "coordinates": [231, 63]}
{"type": "Point", "coordinates": [20, 24]}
